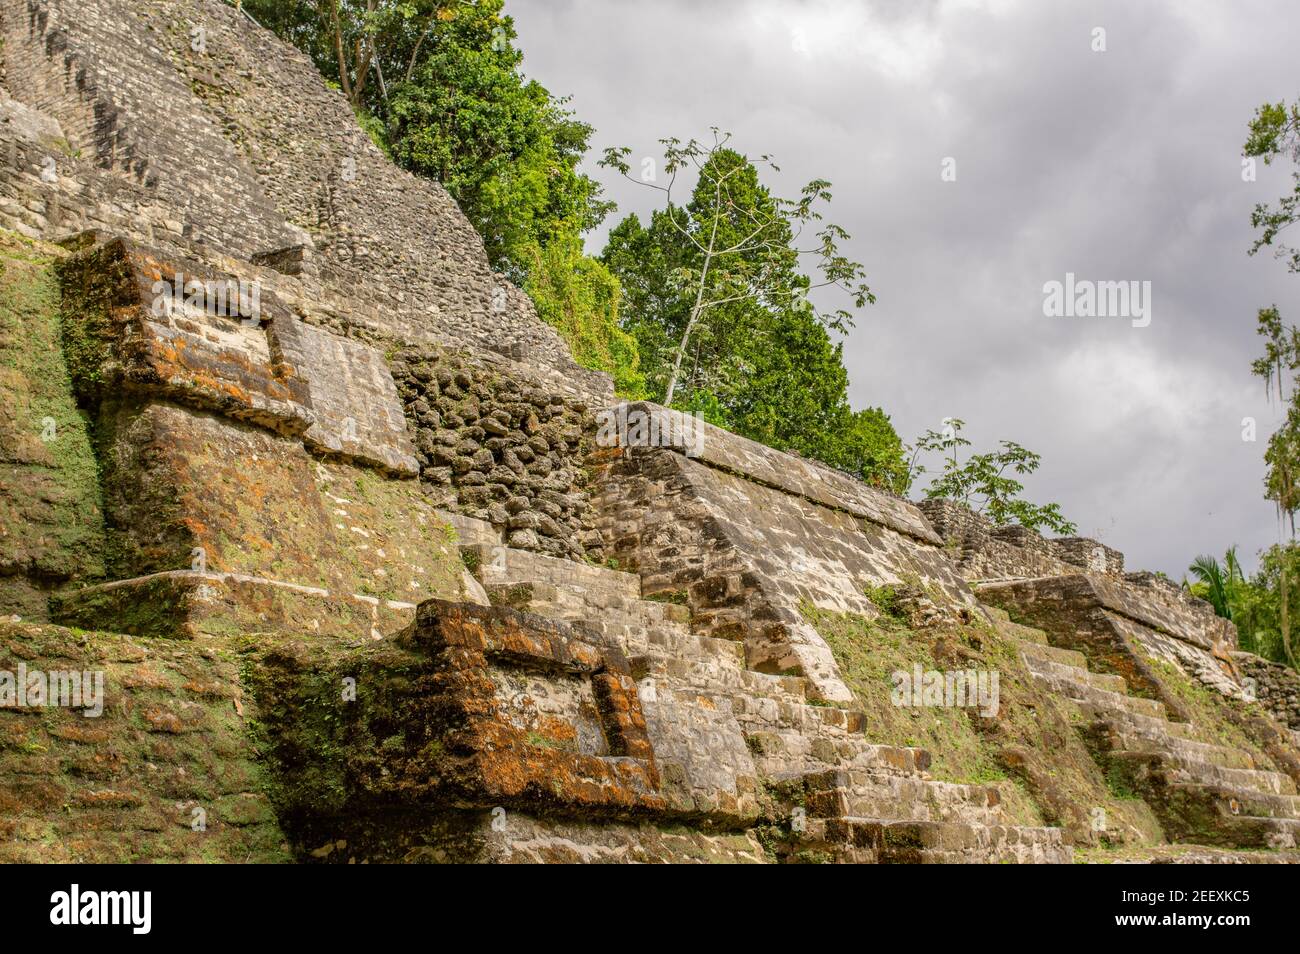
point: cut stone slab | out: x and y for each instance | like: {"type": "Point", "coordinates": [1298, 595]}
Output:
{"type": "Point", "coordinates": [178, 330]}
{"type": "Point", "coordinates": [358, 414]}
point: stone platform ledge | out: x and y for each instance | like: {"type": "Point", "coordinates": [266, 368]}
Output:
{"type": "Point", "coordinates": [1139, 604]}
{"type": "Point", "coordinates": [499, 746]}
{"type": "Point", "coordinates": [720, 449]}
{"type": "Point", "coordinates": [1179, 854]}
{"type": "Point", "coordinates": [220, 341]}
{"type": "Point", "coordinates": [183, 604]}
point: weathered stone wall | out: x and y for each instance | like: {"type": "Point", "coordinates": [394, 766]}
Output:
{"type": "Point", "coordinates": [277, 491]}
{"type": "Point", "coordinates": [103, 71]}
{"type": "Point", "coordinates": [504, 449]}
{"type": "Point", "coordinates": [985, 551]}
{"type": "Point", "coordinates": [1180, 628]}
{"type": "Point", "coordinates": [751, 534]}
{"type": "Point", "coordinates": [1277, 688]}
{"type": "Point", "coordinates": [51, 524]}
{"type": "Point", "coordinates": [233, 146]}
{"type": "Point", "coordinates": [255, 454]}
{"type": "Point", "coordinates": [167, 772]}
{"type": "Point", "coordinates": [1172, 608]}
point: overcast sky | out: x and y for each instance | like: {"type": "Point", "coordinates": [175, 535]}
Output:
{"type": "Point", "coordinates": [1115, 165]}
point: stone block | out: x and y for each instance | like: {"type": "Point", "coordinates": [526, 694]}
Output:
{"type": "Point", "coordinates": [358, 414]}
{"type": "Point", "coordinates": [134, 320]}
{"type": "Point", "coordinates": [513, 709]}
{"type": "Point", "coordinates": [184, 604]}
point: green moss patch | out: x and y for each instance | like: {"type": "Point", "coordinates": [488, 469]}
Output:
{"type": "Point", "coordinates": [1030, 750]}
{"type": "Point", "coordinates": [168, 771]}
{"type": "Point", "coordinates": [51, 524]}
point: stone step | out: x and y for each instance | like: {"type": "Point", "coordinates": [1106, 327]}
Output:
{"type": "Point", "coordinates": [786, 751]}
{"type": "Point", "coordinates": [589, 601]}
{"type": "Point", "coordinates": [1208, 773]}
{"type": "Point", "coordinates": [1278, 834]}
{"type": "Point", "coordinates": [793, 688]}
{"type": "Point", "coordinates": [856, 792]}
{"type": "Point", "coordinates": [554, 602]}
{"type": "Point", "coordinates": [1201, 814]}
{"type": "Point", "coordinates": [891, 841]}
{"type": "Point", "coordinates": [1103, 699]}
{"type": "Point", "coordinates": [1021, 633]}
{"type": "Point", "coordinates": [829, 839]}
{"type": "Point", "coordinates": [1154, 728]}
{"type": "Point", "coordinates": [805, 718]}
{"type": "Point", "coordinates": [809, 719]}
{"type": "Point", "coordinates": [1136, 739]}
{"type": "Point", "coordinates": [719, 675]}
{"type": "Point", "coordinates": [684, 642]}
{"type": "Point", "coordinates": [1242, 801]}
{"type": "Point", "coordinates": [870, 758]}
{"type": "Point", "coordinates": [1064, 657]}
{"type": "Point", "coordinates": [498, 564]}
{"type": "Point", "coordinates": [1039, 666]}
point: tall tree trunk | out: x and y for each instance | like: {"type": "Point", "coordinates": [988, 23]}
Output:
{"type": "Point", "coordinates": [681, 350]}
{"type": "Point", "coordinates": [344, 81]}
{"type": "Point", "coordinates": [1286, 625]}
{"type": "Point", "coordinates": [698, 308]}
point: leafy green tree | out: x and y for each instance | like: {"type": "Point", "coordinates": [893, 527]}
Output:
{"type": "Point", "coordinates": [1275, 132]}
{"type": "Point", "coordinates": [579, 296]}
{"type": "Point", "coordinates": [503, 146]}
{"type": "Point", "coordinates": [982, 482]}
{"type": "Point", "coordinates": [1277, 367]}
{"type": "Point", "coordinates": [791, 392]}
{"type": "Point", "coordinates": [1258, 608]}
{"type": "Point", "coordinates": [1218, 584]}
{"type": "Point", "coordinates": [362, 46]}
{"type": "Point", "coordinates": [733, 250]}
{"type": "Point", "coordinates": [717, 298]}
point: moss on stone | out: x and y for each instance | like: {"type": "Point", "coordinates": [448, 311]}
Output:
{"type": "Point", "coordinates": [51, 523]}
{"type": "Point", "coordinates": [1029, 751]}
{"type": "Point", "coordinates": [168, 772]}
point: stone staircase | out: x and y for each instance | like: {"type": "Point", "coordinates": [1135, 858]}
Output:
{"type": "Point", "coordinates": [851, 800]}
{"type": "Point", "coordinates": [1203, 792]}
{"type": "Point", "coordinates": [852, 815]}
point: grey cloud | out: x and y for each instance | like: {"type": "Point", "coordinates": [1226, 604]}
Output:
{"type": "Point", "coordinates": [1115, 165]}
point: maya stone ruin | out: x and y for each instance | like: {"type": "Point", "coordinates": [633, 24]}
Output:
{"type": "Point", "coordinates": [321, 499]}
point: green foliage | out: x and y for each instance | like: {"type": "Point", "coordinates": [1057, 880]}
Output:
{"type": "Point", "coordinates": [868, 653]}
{"type": "Point", "coordinates": [578, 296]}
{"type": "Point", "coordinates": [1256, 604]}
{"type": "Point", "coordinates": [717, 300]}
{"type": "Point", "coordinates": [886, 600]}
{"type": "Point", "coordinates": [1217, 584]}
{"type": "Point", "coordinates": [1274, 132]}
{"type": "Point", "coordinates": [729, 253]}
{"type": "Point", "coordinates": [981, 481]}
{"type": "Point", "coordinates": [503, 146]}
{"type": "Point", "coordinates": [49, 486]}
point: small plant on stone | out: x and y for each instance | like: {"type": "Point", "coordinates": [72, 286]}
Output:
{"type": "Point", "coordinates": [886, 600]}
